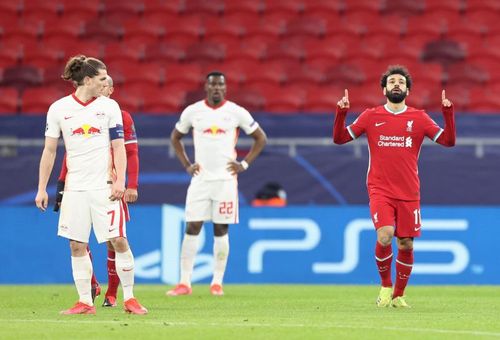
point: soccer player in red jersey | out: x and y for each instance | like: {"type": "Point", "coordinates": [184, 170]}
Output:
{"type": "Point", "coordinates": [395, 133]}
{"type": "Point", "coordinates": [130, 196]}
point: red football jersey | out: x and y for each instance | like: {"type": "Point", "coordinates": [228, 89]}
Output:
{"type": "Point", "coordinates": [394, 141]}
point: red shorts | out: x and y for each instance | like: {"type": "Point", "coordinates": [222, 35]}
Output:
{"type": "Point", "coordinates": [403, 215]}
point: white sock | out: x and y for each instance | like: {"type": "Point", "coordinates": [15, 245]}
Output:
{"type": "Point", "coordinates": [188, 253]}
{"type": "Point", "coordinates": [125, 270]}
{"type": "Point", "coordinates": [82, 273]}
{"type": "Point", "coordinates": [221, 253]}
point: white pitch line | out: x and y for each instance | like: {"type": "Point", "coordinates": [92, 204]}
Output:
{"type": "Point", "coordinates": [250, 324]}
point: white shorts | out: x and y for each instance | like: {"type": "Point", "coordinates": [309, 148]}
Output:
{"type": "Point", "coordinates": [215, 201]}
{"type": "Point", "coordinates": [82, 209]}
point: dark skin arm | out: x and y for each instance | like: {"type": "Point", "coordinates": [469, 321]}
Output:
{"type": "Point", "coordinates": [259, 141]}
{"type": "Point", "coordinates": [180, 152]}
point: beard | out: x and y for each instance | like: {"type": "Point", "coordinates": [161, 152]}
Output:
{"type": "Point", "coordinates": [396, 98]}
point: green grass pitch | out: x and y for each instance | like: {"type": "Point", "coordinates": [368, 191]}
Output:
{"type": "Point", "coordinates": [257, 312]}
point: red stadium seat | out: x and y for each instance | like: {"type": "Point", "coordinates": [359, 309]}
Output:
{"type": "Point", "coordinates": [234, 71]}
{"type": "Point", "coordinates": [484, 101]}
{"type": "Point", "coordinates": [322, 99]}
{"type": "Point", "coordinates": [86, 10]}
{"type": "Point", "coordinates": [167, 100]}
{"type": "Point", "coordinates": [52, 78]}
{"type": "Point", "coordinates": [457, 6]}
{"type": "Point", "coordinates": [143, 32]}
{"type": "Point", "coordinates": [252, 100]}
{"type": "Point", "coordinates": [135, 72]}
{"type": "Point", "coordinates": [304, 74]}
{"type": "Point", "coordinates": [307, 27]}
{"type": "Point", "coordinates": [467, 74]}
{"type": "Point", "coordinates": [66, 28]}
{"type": "Point", "coordinates": [404, 8]}
{"type": "Point", "coordinates": [125, 9]}
{"type": "Point", "coordinates": [168, 8]}
{"type": "Point", "coordinates": [31, 30]}
{"type": "Point", "coordinates": [286, 50]}
{"type": "Point", "coordinates": [345, 75]}
{"type": "Point", "coordinates": [21, 77]}
{"type": "Point", "coordinates": [190, 27]}
{"type": "Point", "coordinates": [205, 52]}
{"type": "Point", "coordinates": [118, 52]}
{"type": "Point", "coordinates": [353, 24]}
{"type": "Point", "coordinates": [243, 7]}
{"type": "Point", "coordinates": [285, 99]}
{"type": "Point", "coordinates": [229, 28]}
{"type": "Point", "coordinates": [431, 26]}
{"type": "Point", "coordinates": [267, 29]}
{"type": "Point", "coordinates": [249, 49]}
{"type": "Point", "coordinates": [482, 5]}
{"type": "Point", "coordinates": [457, 93]}
{"type": "Point", "coordinates": [258, 74]}
{"type": "Point", "coordinates": [214, 7]}
{"type": "Point", "coordinates": [12, 8]}
{"type": "Point", "coordinates": [318, 7]}
{"type": "Point", "coordinates": [284, 8]}
{"type": "Point", "coordinates": [41, 9]}
{"type": "Point", "coordinates": [184, 74]}
{"type": "Point", "coordinates": [103, 30]}
{"type": "Point", "coordinates": [165, 52]}
{"type": "Point", "coordinates": [443, 51]}
{"type": "Point", "coordinates": [9, 100]}
{"type": "Point", "coordinates": [85, 47]}
{"type": "Point", "coordinates": [323, 53]}
{"type": "Point", "coordinates": [36, 101]}
{"type": "Point", "coordinates": [370, 6]}
{"type": "Point", "coordinates": [43, 55]}
{"type": "Point", "coordinates": [10, 53]}
{"type": "Point", "coordinates": [129, 101]}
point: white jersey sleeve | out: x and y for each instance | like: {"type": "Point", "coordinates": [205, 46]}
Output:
{"type": "Point", "coordinates": [115, 115]}
{"type": "Point", "coordinates": [52, 127]}
{"type": "Point", "coordinates": [245, 120]}
{"type": "Point", "coordinates": [185, 121]}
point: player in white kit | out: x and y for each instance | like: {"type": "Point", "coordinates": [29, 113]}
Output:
{"type": "Point", "coordinates": [91, 125]}
{"type": "Point", "coordinates": [213, 192]}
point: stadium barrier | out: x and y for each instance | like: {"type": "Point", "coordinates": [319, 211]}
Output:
{"type": "Point", "coordinates": [297, 244]}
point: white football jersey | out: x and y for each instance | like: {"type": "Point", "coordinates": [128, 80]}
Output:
{"type": "Point", "coordinates": [215, 133]}
{"type": "Point", "coordinates": [85, 129]}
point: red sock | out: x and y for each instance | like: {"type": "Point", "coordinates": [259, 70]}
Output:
{"type": "Point", "coordinates": [113, 279]}
{"type": "Point", "coordinates": [404, 265]}
{"type": "Point", "coordinates": [93, 279]}
{"type": "Point", "coordinates": [383, 257]}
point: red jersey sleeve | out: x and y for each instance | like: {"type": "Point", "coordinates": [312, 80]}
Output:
{"type": "Point", "coordinates": [359, 126]}
{"type": "Point", "coordinates": [132, 150]}
{"type": "Point", "coordinates": [64, 170]}
{"type": "Point", "coordinates": [431, 129]}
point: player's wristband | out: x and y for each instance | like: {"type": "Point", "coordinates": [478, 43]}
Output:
{"type": "Point", "coordinates": [244, 164]}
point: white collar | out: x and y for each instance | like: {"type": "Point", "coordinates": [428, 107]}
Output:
{"type": "Point", "coordinates": [396, 112]}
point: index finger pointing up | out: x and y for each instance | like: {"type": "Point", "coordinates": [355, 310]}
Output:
{"type": "Point", "coordinates": [443, 95]}
{"type": "Point", "coordinates": [346, 94]}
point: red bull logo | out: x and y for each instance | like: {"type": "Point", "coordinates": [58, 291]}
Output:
{"type": "Point", "coordinates": [86, 131]}
{"type": "Point", "coordinates": [214, 130]}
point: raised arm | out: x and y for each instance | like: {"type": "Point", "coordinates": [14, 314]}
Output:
{"type": "Point", "coordinates": [340, 133]}
{"type": "Point", "coordinates": [448, 137]}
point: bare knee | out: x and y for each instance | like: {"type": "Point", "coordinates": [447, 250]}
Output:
{"type": "Point", "coordinates": [220, 229]}
{"type": "Point", "coordinates": [77, 248]}
{"type": "Point", "coordinates": [119, 244]}
{"type": "Point", "coordinates": [405, 243]}
{"type": "Point", "coordinates": [109, 245]}
{"type": "Point", "coordinates": [385, 235]}
{"type": "Point", "coordinates": [193, 228]}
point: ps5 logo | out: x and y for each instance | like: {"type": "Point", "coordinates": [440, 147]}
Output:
{"type": "Point", "coordinates": [164, 263]}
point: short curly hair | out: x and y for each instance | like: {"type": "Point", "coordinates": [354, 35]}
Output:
{"type": "Point", "coordinates": [396, 69]}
